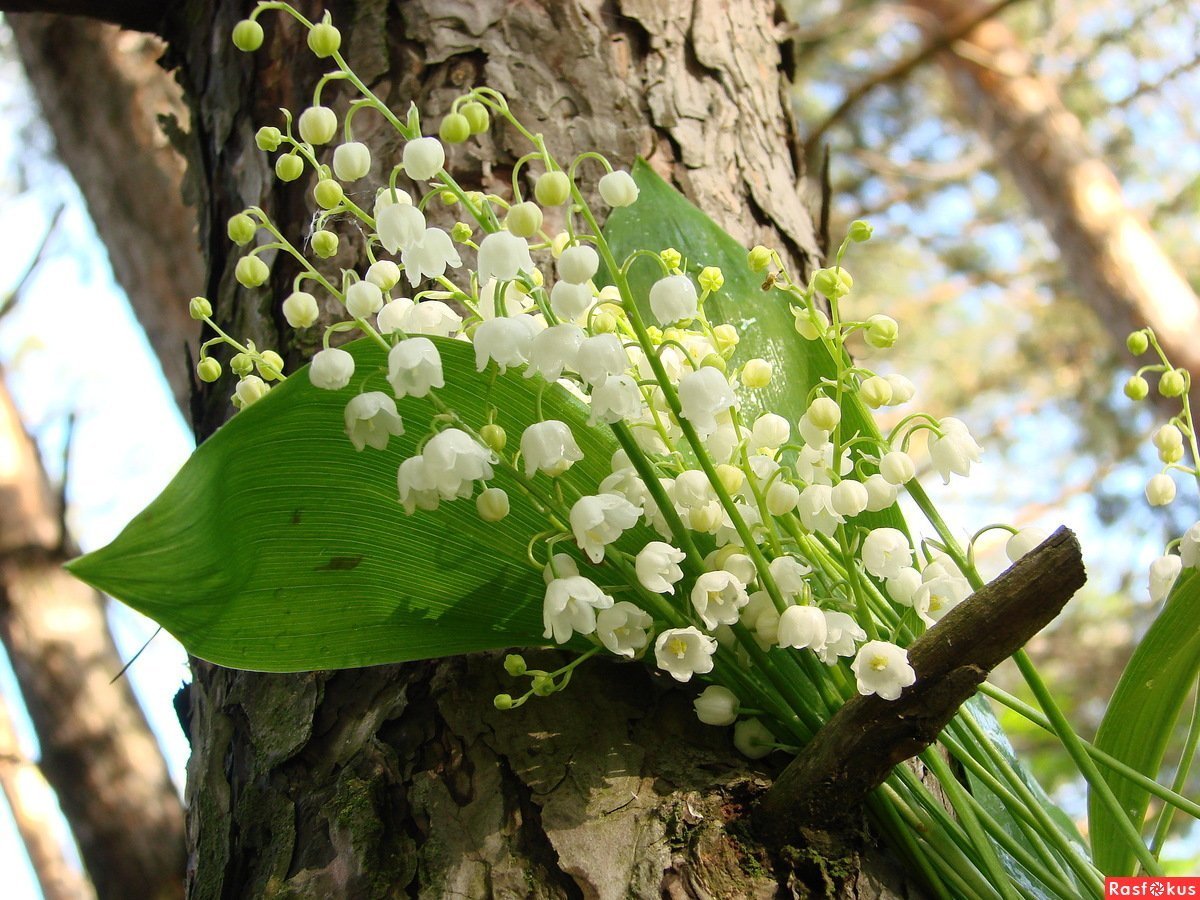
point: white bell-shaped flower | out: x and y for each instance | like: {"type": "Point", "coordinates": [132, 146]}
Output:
{"type": "Point", "coordinates": [624, 628]}
{"type": "Point", "coordinates": [554, 350]}
{"type": "Point", "coordinates": [317, 125]}
{"type": "Point", "coordinates": [880, 492]}
{"type": "Point", "coordinates": [903, 586]}
{"type": "Point", "coordinates": [549, 447]}
{"type": "Point", "coordinates": [717, 597]}
{"type": "Point", "coordinates": [505, 341]}
{"type": "Point", "coordinates": [848, 498]}
{"type": "Point", "coordinates": [570, 607]}
{"type": "Point", "coordinates": [882, 668]}
{"type": "Point", "coordinates": [371, 419]}
{"type": "Point", "coordinates": [702, 395]}
{"type": "Point", "coordinates": [684, 652]}
{"type": "Point", "coordinates": [363, 299]}
{"type": "Point", "coordinates": [885, 552]}
{"type": "Point", "coordinates": [1189, 547]}
{"type": "Point", "coordinates": [816, 510]}
{"type": "Point", "coordinates": [770, 432]}
{"type": "Point", "coordinates": [386, 197]}
{"type": "Point", "coordinates": [503, 255]}
{"type": "Point", "coordinates": [803, 628]}
{"type": "Point", "coordinates": [578, 264]}
{"type": "Point", "coordinates": [897, 467]}
{"type": "Point", "coordinates": [400, 226]}
{"type": "Point", "coordinates": [673, 299]}
{"type": "Point", "coordinates": [599, 520]}
{"type": "Point", "coordinates": [1163, 573]}
{"type": "Point", "coordinates": [414, 367]}
{"type": "Point", "coordinates": [351, 161]}
{"type": "Point", "coordinates": [617, 398]}
{"type": "Point", "coordinates": [454, 461]}
{"type": "Point", "coordinates": [560, 565]}
{"type": "Point", "coordinates": [599, 357]}
{"type": "Point", "coordinates": [417, 488]}
{"type": "Point", "coordinates": [512, 302]}
{"type": "Point", "coordinates": [618, 189]}
{"type": "Point", "coordinates": [782, 497]}
{"type": "Point", "coordinates": [841, 635]}
{"type": "Point", "coordinates": [716, 705]}
{"type": "Point", "coordinates": [941, 590]}
{"type": "Point", "coordinates": [1025, 541]}
{"type": "Point", "coordinates": [331, 369]}
{"type": "Point", "coordinates": [430, 256]}
{"type": "Point", "coordinates": [423, 157]}
{"type": "Point", "coordinates": [384, 274]}
{"type": "Point", "coordinates": [657, 567]}
{"type": "Point", "coordinates": [394, 315]}
{"type": "Point", "coordinates": [570, 301]}
{"type": "Point", "coordinates": [433, 318]}
{"type": "Point", "coordinates": [953, 453]}
{"type": "Point", "coordinates": [789, 574]}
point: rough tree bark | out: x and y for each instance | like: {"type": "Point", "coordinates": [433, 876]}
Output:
{"type": "Point", "coordinates": [404, 780]}
{"type": "Point", "coordinates": [1113, 259]}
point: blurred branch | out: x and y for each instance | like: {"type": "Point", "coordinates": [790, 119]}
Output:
{"type": "Point", "coordinates": [1150, 87]}
{"type": "Point", "coordinates": [33, 809]}
{"type": "Point", "coordinates": [903, 67]}
{"type": "Point", "coordinates": [9, 301]}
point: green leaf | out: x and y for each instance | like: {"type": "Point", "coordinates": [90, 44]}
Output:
{"type": "Point", "coordinates": [1142, 714]}
{"type": "Point", "coordinates": [662, 218]}
{"type": "Point", "coordinates": [278, 547]}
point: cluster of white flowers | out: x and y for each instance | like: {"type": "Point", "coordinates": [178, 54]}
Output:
{"type": "Point", "coordinates": [733, 537]}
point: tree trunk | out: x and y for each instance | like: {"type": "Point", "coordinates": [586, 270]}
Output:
{"type": "Point", "coordinates": [404, 780]}
{"type": "Point", "coordinates": [1112, 257]}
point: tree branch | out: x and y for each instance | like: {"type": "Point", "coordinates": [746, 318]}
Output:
{"type": "Point", "coordinates": [853, 753]}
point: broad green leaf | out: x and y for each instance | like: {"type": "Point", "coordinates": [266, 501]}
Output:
{"type": "Point", "coordinates": [278, 547]}
{"type": "Point", "coordinates": [1142, 714]}
{"type": "Point", "coordinates": [662, 218]}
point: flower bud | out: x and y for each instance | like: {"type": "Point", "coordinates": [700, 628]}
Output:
{"type": "Point", "coordinates": [199, 308]}
{"type": "Point", "coordinates": [552, 188]}
{"type": "Point", "coordinates": [756, 373]}
{"type": "Point", "coordinates": [249, 390]}
{"type": "Point", "coordinates": [1167, 437]}
{"type": "Point", "coordinates": [324, 243]}
{"type": "Point", "coordinates": [351, 161]}
{"type": "Point", "coordinates": [251, 271]}
{"type": "Point", "coordinates": [477, 116]}
{"type": "Point", "coordinates": [824, 413]}
{"type": "Point", "coordinates": [494, 436]}
{"type": "Point", "coordinates": [242, 364]}
{"type": "Point", "coordinates": [1172, 383]}
{"type": "Point", "coordinates": [671, 257]}
{"type": "Point", "coordinates": [300, 309]}
{"type": "Point", "coordinates": [759, 258]}
{"type": "Point", "coordinates": [618, 189]}
{"type": "Point", "coordinates": [713, 361]}
{"type": "Point", "coordinates": [833, 283]}
{"type": "Point", "coordinates": [731, 477]}
{"type": "Point", "coordinates": [1137, 343]}
{"type": "Point", "coordinates": [455, 128]}
{"type": "Point", "coordinates": [875, 392]}
{"type": "Point", "coordinates": [716, 705]}
{"type": "Point", "coordinates": [328, 193]}
{"type": "Point", "coordinates": [782, 497]}
{"type": "Point", "coordinates": [268, 138]}
{"type": "Point", "coordinates": [208, 370]}
{"type": "Point", "coordinates": [423, 158]}
{"type": "Point", "coordinates": [323, 39]}
{"type": "Point", "coordinates": [543, 685]}
{"type": "Point", "coordinates": [1137, 388]}
{"type": "Point", "coordinates": [269, 365]}
{"type": "Point", "coordinates": [727, 338]}
{"type": "Point", "coordinates": [503, 701]}
{"type": "Point", "coordinates": [461, 232]}
{"type": "Point", "coordinates": [492, 504]}
{"type": "Point", "coordinates": [881, 331]}
{"type": "Point", "coordinates": [384, 274]}
{"type": "Point", "coordinates": [241, 229]}
{"type": "Point", "coordinates": [524, 219]}
{"type": "Point", "coordinates": [604, 323]}
{"type": "Point", "coordinates": [317, 125]}
{"type": "Point", "coordinates": [811, 325]}
{"type": "Point", "coordinates": [515, 665]}
{"type": "Point", "coordinates": [860, 231]}
{"type": "Point", "coordinates": [363, 299]}
{"type": "Point", "coordinates": [247, 35]}
{"type": "Point", "coordinates": [897, 467]}
{"type": "Point", "coordinates": [1160, 490]}
{"type": "Point", "coordinates": [711, 279]}
{"type": "Point", "coordinates": [289, 167]}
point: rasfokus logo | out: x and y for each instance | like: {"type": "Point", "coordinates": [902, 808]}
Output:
{"type": "Point", "coordinates": [1154, 886]}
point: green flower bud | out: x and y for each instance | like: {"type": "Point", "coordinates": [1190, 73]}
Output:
{"type": "Point", "coordinates": [543, 685]}
{"type": "Point", "coordinates": [318, 125]}
{"type": "Point", "coordinates": [269, 365]}
{"type": "Point", "coordinates": [727, 338]}
{"type": "Point", "coordinates": [455, 128]}
{"type": "Point", "coordinates": [477, 116]}
{"type": "Point", "coordinates": [731, 477]}
{"type": "Point", "coordinates": [328, 193]}
{"type": "Point", "coordinates": [807, 328]}
{"type": "Point", "coordinates": [251, 271]}
{"type": "Point", "coordinates": [1137, 342]}
{"type": "Point", "coordinates": [514, 665]}
{"type": "Point", "coordinates": [756, 374]}
{"type": "Point", "coordinates": [881, 331]}
{"type": "Point", "coordinates": [552, 189]}
{"type": "Point", "coordinates": [208, 370]}
{"type": "Point", "coordinates": [247, 35]}
{"type": "Point", "coordinates": [492, 504]}
{"type": "Point", "coordinates": [1172, 383]}
{"type": "Point", "coordinates": [300, 309]}
{"type": "Point", "coordinates": [461, 232]}
{"type": "Point", "coordinates": [711, 279]}
{"type": "Point", "coordinates": [324, 40]}
{"type": "Point", "coordinates": [199, 308]}
{"type": "Point", "coordinates": [860, 231]}
{"type": "Point", "coordinates": [268, 138]}
{"type": "Point", "coordinates": [241, 229]}
{"type": "Point", "coordinates": [503, 701]}
{"type": "Point", "coordinates": [524, 219]}
{"type": "Point", "coordinates": [289, 167]}
{"type": "Point", "coordinates": [242, 364]}
{"type": "Point", "coordinates": [671, 257]}
{"type": "Point", "coordinates": [759, 258]}
{"type": "Point", "coordinates": [833, 283]}
{"type": "Point", "coordinates": [713, 361]}
{"type": "Point", "coordinates": [1137, 388]}
{"type": "Point", "coordinates": [604, 323]}
{"type": "Point", "coordinates": [324, 244]}
{"type": "Point", "coordinates": [494, 436]}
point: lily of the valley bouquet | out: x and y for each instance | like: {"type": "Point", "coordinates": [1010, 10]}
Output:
{"type": "Point", "coordinates": [639, 440]}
